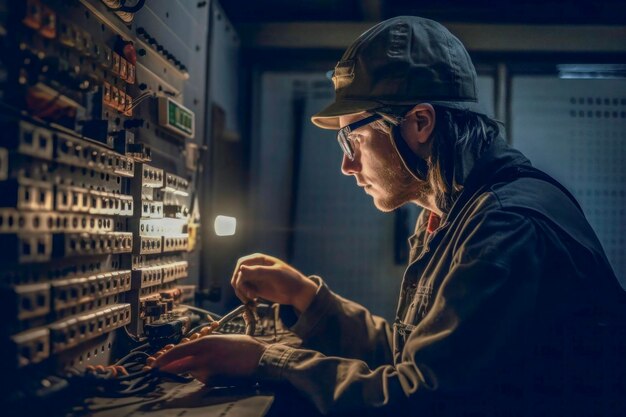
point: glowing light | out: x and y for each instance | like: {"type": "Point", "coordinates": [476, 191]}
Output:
{"type": "Point", "coordinates": [225, 225]}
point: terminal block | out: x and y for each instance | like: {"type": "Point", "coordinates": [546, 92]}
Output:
{"type": "Point", "coordinates": [27, 194]}
{"type": "Point", "coordinates": [146, 245]}
{"type": "Point", "coordinates": [83, 244]}
{"type": "Point", "coordinates": [16, 221]}
{"type": "Point", "coordinates": [110, 204]}
{"type": "Point", "coordinates": [73, 199]}
{"type": "Point", "coordinates": [151, 177]}
{"type": "Point", "coordinates": [25, 301]}
{"type": "Point", "coordinates": [28, 139]}
{"type": "Point", "coordinates": [151, 209]}
{"type": "Point", "coordinates": [175, 243]}
{"type": "Point", "coordinates": [176, 184]}
{"type": "Point", "coordinates": [29, 347]}
{"type": "Point", "coordinates": [175, 271]}
{"type": "Point", "coordinates": [26, 247]}
{"type": "Point", "coordinates": [74, 291]}
{"type": "Point", "coordinates": [70, 332]}
{"type": "Point", "coordinates": [78, 152]}
{"type": "Point", "coordinates": [147, 277]}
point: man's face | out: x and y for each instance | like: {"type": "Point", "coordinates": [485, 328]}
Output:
{"type": "Point", "coordinates": [378, 169]}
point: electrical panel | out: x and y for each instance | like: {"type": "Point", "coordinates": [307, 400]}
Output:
{"type": "Point", "coordinates": [98, 157]}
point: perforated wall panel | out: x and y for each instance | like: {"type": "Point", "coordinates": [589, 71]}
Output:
{"type": "Point", "coordinates": [576, 131]}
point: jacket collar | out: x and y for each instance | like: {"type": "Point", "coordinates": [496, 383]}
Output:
{"type": "Point", "coordinates": [475, 174]}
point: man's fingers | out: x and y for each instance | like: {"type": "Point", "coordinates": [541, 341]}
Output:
{"type": "Point", "coordinates": [253, 279]}
{"type": "Point", "coordinates": [253, 272]}
{"type": "Point", "coordinates": [184, 365]}
{"type": "Point", "coordinates": [237, 287]}
{"type": "Point", "coordinates": [257, 259]}
{"type": "Point", "coordinates": [250, 290]}
{"type": "Point", "coordinates": [177, 353]}
{"type": "Point", "coordinates": [254, 259]}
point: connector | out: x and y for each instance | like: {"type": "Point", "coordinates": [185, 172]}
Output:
{"type": "Point", "coordinates": [151, 209]}
{"type": "Point", "coordinates": [175, 184]}
{"type": "Point", "coordinates": [110, 204]}
{"type": "Point", "coordinates": [162, 332]}
{"type": "Point", "coordinates": [35, 141]}
{"type": "Point", "coordinates": [26, 248]}
{"type": "Point", "coordinates": [175, 243]}
{"type": "Point", "coordinates": [78, 152]}
{"type": "Point", "coordinates": [25, 301]}
{"type": "Point", "coordinates": [17, 221]}
{"type": "Point", "coordinates": [27, 194]}
{"type": "Point", "coordinates": [146, 245]}
{"type": "Point", "coordinates": [30, 347]}
{"type": "Point", "coordinates": [151, 177]}
{"type": "Point", "coordinates": [175, 271]}
{"type": "Point", "coordinates": [74, 291]}
{"type": "Point", "coordinates": [146, 277]}
{"type": "Point", "coordinates": [72, 199]}
{"type": "Point", "coordinates": [82, 244]}
{"type": "Point", "coordinates": [68, 333]}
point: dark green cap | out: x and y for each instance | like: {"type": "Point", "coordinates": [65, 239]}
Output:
{"type": "Point", "coordinates": [405, 60]}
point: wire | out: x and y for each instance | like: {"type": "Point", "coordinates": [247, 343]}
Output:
{"type": "Point", "coordinates": [132, 336]}
{"type": "Point", "coordinates": [131, 355]}
{"type": "Point", "coordinates": [212, 315]}
{"type": "Point", "coordinates": [141, 347]}
{"type": "Point", "coordinates": [140, 98]}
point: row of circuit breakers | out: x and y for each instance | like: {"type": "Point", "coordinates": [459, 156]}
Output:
{"type": "Point", "coordinates": [94, 230]}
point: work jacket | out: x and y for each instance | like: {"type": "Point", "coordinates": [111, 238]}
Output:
{"type": "Point", "coordinates": [509, 307]}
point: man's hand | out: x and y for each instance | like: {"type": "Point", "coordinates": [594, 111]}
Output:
{"type": "Point", "coordinates": [213, 356]}
{"type": "Point", "coordinates": [264, 276]}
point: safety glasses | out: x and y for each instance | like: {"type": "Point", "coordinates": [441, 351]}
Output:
{"type": "Point", "coordinates": [343, 135]}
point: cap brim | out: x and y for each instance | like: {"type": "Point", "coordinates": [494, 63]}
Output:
{"type": "Point", "coordinates": [328, 118]}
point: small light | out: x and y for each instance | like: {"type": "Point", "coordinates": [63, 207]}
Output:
{"type": "Point", "coordinates": [225, 225]}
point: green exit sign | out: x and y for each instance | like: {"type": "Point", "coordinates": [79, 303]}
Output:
{"type": "Point", "coordinates": [176, 117]}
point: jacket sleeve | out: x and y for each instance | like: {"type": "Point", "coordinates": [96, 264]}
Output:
{"type": "Point", "coordinates": [478, 313]}
{"type": "Point", "coordinates": [338, 327]}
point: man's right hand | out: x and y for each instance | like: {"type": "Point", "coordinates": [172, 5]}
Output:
{"type": "Point", "coordinates": [264, 276]}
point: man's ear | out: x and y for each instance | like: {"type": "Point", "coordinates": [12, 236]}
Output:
{"type": "Point", "coordinates": [417, 128]}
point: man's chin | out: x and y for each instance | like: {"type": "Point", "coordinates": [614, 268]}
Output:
{"type": "Point", "coordinates": [386, 205]}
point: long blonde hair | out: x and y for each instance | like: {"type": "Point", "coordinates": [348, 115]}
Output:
{"type": "Point", "coordinates": [458, 138]}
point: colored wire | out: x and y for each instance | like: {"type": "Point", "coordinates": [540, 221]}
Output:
{"type": "Point", "coordinates": [142, 97]}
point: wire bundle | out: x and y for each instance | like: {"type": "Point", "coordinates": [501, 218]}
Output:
{"type": "Point", "coordinates": [140, 98]}
{"type": "Point", "coordinates": [127, 377]}
{"type": "Point", "coordinates": [133, 374]}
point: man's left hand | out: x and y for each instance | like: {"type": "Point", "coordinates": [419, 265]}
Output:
{"type": "Point", "coordinates": [214, 355]}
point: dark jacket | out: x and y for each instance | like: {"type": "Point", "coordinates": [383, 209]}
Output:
{"type": "Point", "coordinates": [509, 307]}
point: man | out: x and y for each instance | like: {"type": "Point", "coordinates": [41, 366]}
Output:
{"type": "Point", "coordinates": [509, 305]}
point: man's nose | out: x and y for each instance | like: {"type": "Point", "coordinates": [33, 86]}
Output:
{"type": "Point", "coordinates": [349, 167]}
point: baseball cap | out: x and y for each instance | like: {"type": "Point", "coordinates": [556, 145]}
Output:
{"type": "Point", "coordinates": [404, 60]}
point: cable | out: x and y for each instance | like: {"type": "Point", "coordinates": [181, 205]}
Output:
{"type": "Point", "coordinates": [142, 97]}
{"type": "Point", "coordinates": [132, 336]}
{"type": "Point", "coordinates": [212, 315]}
{"type": "Point", "coordinates": [131, 355]}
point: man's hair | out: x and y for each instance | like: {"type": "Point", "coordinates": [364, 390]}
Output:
{"type": "Point", "coordinates": [458, 138]}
